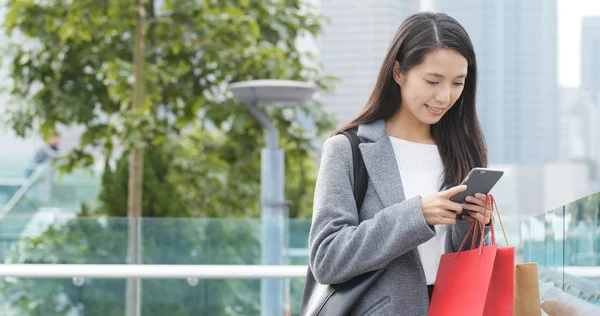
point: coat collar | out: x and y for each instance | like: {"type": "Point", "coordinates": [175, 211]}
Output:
{"type": "Point", "coordinates": [373, 131]}
{"type": "Point", "coordinates": [380, 161]}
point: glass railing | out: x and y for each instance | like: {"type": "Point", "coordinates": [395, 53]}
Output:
{"type": "Point", "coordinates": [101, 240]}
{"type": "Point", "coordinates": [159, 297]}
{"type": "Point", "coordinates": [14, 168]}
{"type": "Point", "coordinates": [186, 241]}
{"type": "Point", "coordinates": [565, 243]}
{"type": "Point", "coordinates": [13, 174]}
{"type": "Point", "coordinates": [49, 189]}
{"type": "Point", "coordinates": [42, 195]}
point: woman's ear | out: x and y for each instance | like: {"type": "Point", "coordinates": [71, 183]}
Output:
{"type": "Point", "coordinates": [398, 75]}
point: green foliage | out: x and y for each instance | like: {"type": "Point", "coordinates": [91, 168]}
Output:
{"type": "Point", "coordinates": [71, 64]}
{"type": "Point", "coordinates": [202, 174]}
{"type": "Point", "coordinates": [219, 173]}
{"type": "Point", "coordinates": [78, 70]}
{"type": "Point", "coordinates": [159, 196]}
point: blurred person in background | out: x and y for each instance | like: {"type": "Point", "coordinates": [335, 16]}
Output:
{"type": "Point", "coordinates": [48, 151]}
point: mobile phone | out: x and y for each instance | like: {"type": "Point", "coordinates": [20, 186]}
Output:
{"type": "Point", "coordinates": [479, 180]}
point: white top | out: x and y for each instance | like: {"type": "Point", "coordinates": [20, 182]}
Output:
{"type": "Point", "coordinates": [421, 169]}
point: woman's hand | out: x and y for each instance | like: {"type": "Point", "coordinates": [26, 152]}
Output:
{"type": "Point", "coordinates": [477, 209]}
{"type": "Point", "coordinates": [438, 209]}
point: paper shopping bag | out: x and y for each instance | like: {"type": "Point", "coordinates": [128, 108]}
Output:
{"type": "Point", "coordinates": [462, 282]}
{"type": "Point", "coordinates": [475, 282]}
{"type": "Point", "coordinates": [527, 290]}
{"type": "Point", "coordinates": [501, 296]}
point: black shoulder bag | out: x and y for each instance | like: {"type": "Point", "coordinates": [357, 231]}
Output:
{"type": "Point", "coordinates": [338, 299]}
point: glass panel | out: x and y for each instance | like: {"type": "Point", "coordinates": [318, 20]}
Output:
{"type": "Point", "coordinates": [583, 232]}
{"type": "Point", "coordinates": [200, 241]}
{"type": "Point", "coordinates": [582, 271]}
{"type": "Point", "coordinates": [172, 297]}
{"type": "Point", "coordinates": [54, 297]}
{"type": "Point", "coordinates": [164, 240]}
{"type": "Point", "coordinates": [61, 239]}
{"type": "Point", "coordinates": [534, 240]}
{"type": "Point", "coordinates": [557, 241]}
{"type": "Point", "coordinates": [50, 189]}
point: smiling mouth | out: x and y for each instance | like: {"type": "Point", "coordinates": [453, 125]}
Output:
{"type": "Point", "coordinates": [435, 109]}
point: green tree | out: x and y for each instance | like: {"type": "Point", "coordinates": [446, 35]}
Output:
{"type": "Point", "coordinates": [72, 64]}
{"type": "Point", "coordinates": [218, 174]}
{"type": "Point", "coordinates": [160, 197]}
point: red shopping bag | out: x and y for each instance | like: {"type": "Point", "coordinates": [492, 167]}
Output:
{"type": "Point", "coordinates": [501, 294]}
{"type": "Point", "coordinates": [476, 282]}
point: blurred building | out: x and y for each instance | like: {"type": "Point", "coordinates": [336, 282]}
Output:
{"type": "Point", "coordinates": [588, 107]}
{"type": "Point", "coordinates": [572, 142]}
{"type": "Point", "coordinates": [518, 100]}
{"type": "Point", "coordinates": [526, 190]}
{"type": "Point", "coordinates": [582, 137]}
{"type": "Point", "coordinates": [580, 107]}
{"type": "Point", "coordinates": [353, 46]}
{"type": "Point", "coordinates": [590, 57]}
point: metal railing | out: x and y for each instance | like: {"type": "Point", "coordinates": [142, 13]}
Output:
{"type": "Point", "coordinates": [151, 271]}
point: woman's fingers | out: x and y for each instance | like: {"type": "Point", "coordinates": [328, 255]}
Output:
{"type": "Point", "coordinates": [474, 208]}
{"type": "Point", "coordinates": [479, 217]}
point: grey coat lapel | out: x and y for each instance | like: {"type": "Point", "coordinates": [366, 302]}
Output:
{"type": "Point", "coordinates": [380, 162]}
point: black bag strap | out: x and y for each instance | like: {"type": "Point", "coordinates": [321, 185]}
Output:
{"type": "Point", "coordinates": [360, 171]}
{"type": "Point", "coordinates": [340, 298]}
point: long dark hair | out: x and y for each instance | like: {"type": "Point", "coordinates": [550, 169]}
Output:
{"type": "Point", "coordinates": [458, 134]}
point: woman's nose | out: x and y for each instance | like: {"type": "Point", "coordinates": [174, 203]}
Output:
{"type": "Point", "coordinates": [443, 95]}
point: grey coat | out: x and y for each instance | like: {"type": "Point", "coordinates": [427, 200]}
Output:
{"type": "Point", "coordinates": [385, 233]}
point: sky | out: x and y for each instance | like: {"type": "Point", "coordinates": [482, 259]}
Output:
{"type": "Point", "coordinates": [570, 13]}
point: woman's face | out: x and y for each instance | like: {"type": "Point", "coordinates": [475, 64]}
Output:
{"type": "Point", "coordinates": [431, 88]}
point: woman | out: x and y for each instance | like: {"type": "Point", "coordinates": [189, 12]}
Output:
{"type": "Point", "coordinates": [420, 135]}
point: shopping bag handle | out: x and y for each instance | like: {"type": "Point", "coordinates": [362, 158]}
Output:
{"type": "Point", "coordinates": [472, 230]}
{"type": "Point", "coordinates": [474, 239]}
{"type": "Point", "coordinates": [495, 207]}
{"type": "Point", "coordinates": [489, 199]}
{"type": "Point", "coordinates": [475, 226]}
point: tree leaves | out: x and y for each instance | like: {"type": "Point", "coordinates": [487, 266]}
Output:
{"type": "Point", "coordinates": [71, 63]}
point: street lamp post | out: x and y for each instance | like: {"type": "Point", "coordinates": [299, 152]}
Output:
{"type": "Point", "coordinates": [272, 175]}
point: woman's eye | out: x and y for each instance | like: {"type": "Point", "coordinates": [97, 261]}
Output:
{"type": "Point", "coordinates": [459, 83]}
{"type": "Point", "coordinates": [431, 82]}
